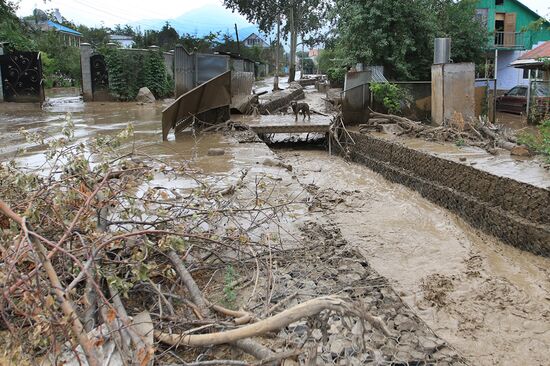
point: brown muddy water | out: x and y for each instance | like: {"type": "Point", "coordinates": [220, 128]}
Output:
{"type": "Point", "coordinates": [489, 300]}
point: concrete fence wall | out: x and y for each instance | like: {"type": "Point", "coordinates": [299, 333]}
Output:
{"type": "Point", "coordinates": [187, 69]}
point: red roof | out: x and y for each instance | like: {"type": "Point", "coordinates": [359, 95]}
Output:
{"type": "Point", "coordinates": [541, 51]}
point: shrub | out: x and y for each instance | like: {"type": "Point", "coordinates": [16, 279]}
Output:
{"type": "Point", "coordinates": [389, 95]}
{"type": "Point", "coordinates": [336, 75]}
{"type": "Point", "coordinates": [129, 71]}
{"type": "Point", "coordinates": [540, 142]}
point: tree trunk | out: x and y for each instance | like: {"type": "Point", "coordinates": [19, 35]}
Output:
{"type": "Point", "coordinates": [293, 45]}
{"type": "Point", "coordinates": [277, 51]}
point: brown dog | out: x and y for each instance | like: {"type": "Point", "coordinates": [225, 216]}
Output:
{"type": "Point", "coordinates": [300, 107]}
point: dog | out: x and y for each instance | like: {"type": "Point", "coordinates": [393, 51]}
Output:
{"type": "Point", "coordinates": [300, 107]}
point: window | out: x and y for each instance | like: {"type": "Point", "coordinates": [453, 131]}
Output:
{"type": "Point", "coordinates": [513, 92]}
{"type": "Point", "coordinates": [526, 73]}
{"type": "Point", "coordinates": [534, 74]}
{"type": "Point", "coordinates": [522, 92]}
{"type": "Point", "coordinates": [518, 91]}
{"type": "Point", "coordinates": [499, 2]}
{"type": "Point", "coordinates": [482, 16]}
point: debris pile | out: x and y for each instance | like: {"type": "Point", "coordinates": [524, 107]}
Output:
{"type": "Point", "coordinates": [479, 133]}
{"type": "Point", "coordinates": [101, 264]}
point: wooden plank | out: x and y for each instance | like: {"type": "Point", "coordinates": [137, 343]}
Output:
{"type": "Point", "coordinates": [291, 129]}
{"type": "Point", "coordinates": [288, 124]}
{"type": "Point", "coordinates": [510, 29]}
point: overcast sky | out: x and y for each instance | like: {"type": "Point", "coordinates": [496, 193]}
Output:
{"type": "Point", "coordinates": [110, 12]}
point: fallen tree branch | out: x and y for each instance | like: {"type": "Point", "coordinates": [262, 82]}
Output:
{"type": "Point", "coordinates": [281, 320]}
{"type": "Point", "coordinates": [66, 306]}
{"type": "Point", "coordinates": [259, 351]}
{"type": "Point", "coordinates": [212, 363]}
{"type": "Point", "coordinates": [189, 282]}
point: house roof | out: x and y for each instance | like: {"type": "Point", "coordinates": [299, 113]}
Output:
{"type": "Point", "coordinates": [541, 51]}
{"type": "Point", "coordinates": [532, 59]}
{"type": "Point", "coordinates": [529, 9]}
{"type": "Point", "coordinates": [62, 28]}
{"type": "Point", "coordinates": [257, 36]}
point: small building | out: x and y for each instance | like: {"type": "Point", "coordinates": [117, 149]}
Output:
{"type": "Point", "coordinates": [69, 36]}
{"type": "Point", "coordinates": [314, 52]}
{"type": "Point", "coordinates": [507, 22]}
{"type": "Point", "coordinates": [40, 22]}
{"type": "Point", "coordinates": [124, 41]}
{"type": "Point", "coordinates": [255, 40]}
{"type": "Point", "coordinates": [533, 62]}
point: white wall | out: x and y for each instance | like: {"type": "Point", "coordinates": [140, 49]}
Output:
{"type": "Point", "coordinates": [507, 76]}
{"type": "Point", "coordinates": [126, 43]}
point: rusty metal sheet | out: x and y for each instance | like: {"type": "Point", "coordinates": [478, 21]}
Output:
{"type": "Point", "coordinates": [213, 94]}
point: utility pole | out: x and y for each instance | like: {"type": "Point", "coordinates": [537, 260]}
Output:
{"type": "Point", "coordinates": [302, 59]}
{"type": "Point", "coordinates": [278, 47]}
{"type": "Point", "coordinates": [238, 43]}
{"type": "Point", "coordinates": [293, 41]}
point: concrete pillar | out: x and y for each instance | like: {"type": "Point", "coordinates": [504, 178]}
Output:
{"type": "Point", "coordinates": [179, 70]}
{"type": "Point", "coordinates": [1, 80]}
{"type": "Point", "coordinates": [85, 54]}
{"type": "Point", "coordinates": [453, 91]}
{"type": "Point", "coordinates": [154, 48]}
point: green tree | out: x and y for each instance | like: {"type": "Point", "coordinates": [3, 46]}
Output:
{"type": "Point", "coordinates": [97, 37]}
{"type": "Point", "coordinates": [168, 37]}
{"type": "Point", "coordinates": [123, 31]}
{"type": "Point", "coordinates": [453, 18]}
{"type": "Point", "coordinates": [12, 30]}
{"type": "Point", "coordinates": [399, 34]}
{"type": "Point", "coordinates": [300, 18]}
{"type": "Point", "coordinates": [156, 78]}
{"type": "Point", "coordinates": [62, 62]}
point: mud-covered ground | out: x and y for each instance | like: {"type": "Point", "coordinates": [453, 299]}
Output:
{"type": "Point", "coordinates": [489, 300]}
{"type": "Point", "coordinates": [447, 290]}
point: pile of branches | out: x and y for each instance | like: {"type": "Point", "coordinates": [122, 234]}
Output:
{"type": "Point", "coordinates": [480, 133]}
{"type": "Point", "coordinates": [102, 265]}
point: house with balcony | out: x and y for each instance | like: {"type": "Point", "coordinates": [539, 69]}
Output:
{"type": "Point", "coordinates": [510, 36]}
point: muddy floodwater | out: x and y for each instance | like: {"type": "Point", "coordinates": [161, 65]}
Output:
{"type": "Point", "coordinates": [490, 300]}
{"type": "Point", "coordinates": [487, 299]}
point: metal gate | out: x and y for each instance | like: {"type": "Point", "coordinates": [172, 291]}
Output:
{"type": "Point", "coordinates": [100, 78]}
{"type": "Point", "coordinates": [22, 77]}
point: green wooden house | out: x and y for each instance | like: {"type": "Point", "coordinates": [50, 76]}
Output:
{"type": "Point", "coordinates": [507, 23]}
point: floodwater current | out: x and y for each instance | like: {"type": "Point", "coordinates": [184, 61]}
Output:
{"type": "Point", "coordinates": [487, 299]}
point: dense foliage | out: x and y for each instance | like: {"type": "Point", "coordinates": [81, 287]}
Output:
{"type": "Point", "coordinates": [540, 142]}
{"type": "Point", "coordinates": [60, 62]}
{"type": "Point", "coordinates": [333, 62]}
{"type": "Point", "coordinates": [399, 34]}
{"type": "Point", "coordinates": [129, 71]}
{"type": "Point", "coordinates": [389, 95]}
{"type": "Point", "coordinates": [12, 30]}
{"type": "Point", "coordinates": [302, 18]}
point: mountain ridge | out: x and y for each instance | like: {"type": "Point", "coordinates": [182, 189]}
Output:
{"type": "Point", "coordinates": [202, 21]}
